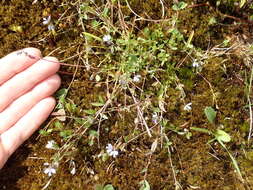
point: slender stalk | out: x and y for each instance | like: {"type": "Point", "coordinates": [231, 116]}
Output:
{"type": "Point", "coordinates": [250, 108]}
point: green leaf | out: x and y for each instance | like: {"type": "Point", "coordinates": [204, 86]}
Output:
{"type": "Point", "coordinates": [90, 111]}
{"type": "Point", "coordinates": [108, 187]}
{"type": "Point", "coordinates": [144, 185]}
{"type": "Point", "coordinates": [101, 100]}
{"type": "Point", "coordinates": [93, 133]}
{"type": "Point", "coordinates": [202, 130]}
{"type": "Point", "coordinates": [175, 7]}
{"type": "Point", "coordinates": [105, 157]}
{"type": "Point", "coordinates": [179, 6]}
{"type": "Point", "coordinates": [92, 36]}
{"type": "Point", "coordinates": [97, 104]}
{"type": "Point", "coordinates": [71, 107]}
{"type": "Point", "coordinates": [95, 23]}
{"type": "Point", "coordinates": [235, 164]}
{"type": "Point", "coordinates": [89, 121]}
{"type": "Point", "coordinates": [45, 132]}
{"type": "Point", "coordinates": [210, 114]}
{"type": "Point", "coordinates": [58, 125]}
{"type": "Point", "coordinates": [60, 96]}
{"type": "Point", "coordinates": [80, 121]}
{"type": "Point", "coordinates": [66, 133]}
{"type": "Point", "coordinates": [61, 93]}
{"type": "Point", "coordinates": [99, 187]}
{"type": "Point", "coordinates": [182, 5]}
{"type": "Point", "coordinates": [91, 142]}
{"type": "Point", "coordinates": [221, 135]}
{"type": "Point", "coordinates": [16, 28]}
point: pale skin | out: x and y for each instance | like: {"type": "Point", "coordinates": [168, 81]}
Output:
{"type": "Point", "coordinates": [26, 88]}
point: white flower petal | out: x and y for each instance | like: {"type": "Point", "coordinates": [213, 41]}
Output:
{"type": "Point", "coordinates": [137, 78]}
{"type": "Point", "coordinates": [188, 107]}
{"type": "Point", "coordinates": [73, 171]}
{"type": "Point", "coordinates": [51, 144]}
{"type": "Point", "coordinates": [50, 27]}
{"type": "Point", "coordinates": [107, 38]}
{"type": "Point", "coordinates": [50, 170]}
{"type": "Point", "coordinates": [46, 20]}
{"type": "Point", "coordinates": [111, 151]}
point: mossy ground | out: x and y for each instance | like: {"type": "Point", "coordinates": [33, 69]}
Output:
{"type": "Point", "coordinates": [190, 162]}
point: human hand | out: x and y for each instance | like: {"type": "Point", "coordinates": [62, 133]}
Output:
{"type": "Point", "coordinates": [26, 84]}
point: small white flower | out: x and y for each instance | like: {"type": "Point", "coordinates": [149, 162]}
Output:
{"type": "Point", "coordinates": [114, 153]}
{"type": "Point", "coordinates": [50, 170]}
{"type": "Point", "coordinates": [155, 118]}
{"type": "Point", "coordinates": [46, 20]}
{"type": "Point", "coordinates": [111, 151]}
{"type": "Point", "coordinates": [123, 82]}
{"type": "Point", "coordinates": [109, 148]}
{"type": "Point", "coordinates": [50, 27]}
{"type": "Point", "coordinates": [73, 171]}
{"type": "Point", "coordinates": [188, 107]}
{"type": "Point", "coordinates": [137, 78]}
{"type": "Point", "coordinates": [73, 165]}
{"type": "Point", "coordinates": [107, 38]}
{"type": "Point", "coordinates": [195, 64]}
{"type": "Point", "coordinates": [51, 145]}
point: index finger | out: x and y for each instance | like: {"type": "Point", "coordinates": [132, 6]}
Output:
{"type": "Point", "coordinates": [17, 61]}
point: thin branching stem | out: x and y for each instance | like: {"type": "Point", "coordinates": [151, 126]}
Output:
{"type": "Point", "coordinates": [249, 102]}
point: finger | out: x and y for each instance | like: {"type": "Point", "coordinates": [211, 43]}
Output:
{"type": "Point", "coordinates": [3, 155]}
{"type": "Point", "coordinates": [23, 104]}
{"type": "Point", "coordinates": [25, 127]}
{"type": "Point", "coordinates": [24, 81]}
{"type": "Point", "coordinates": [15, 62]}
